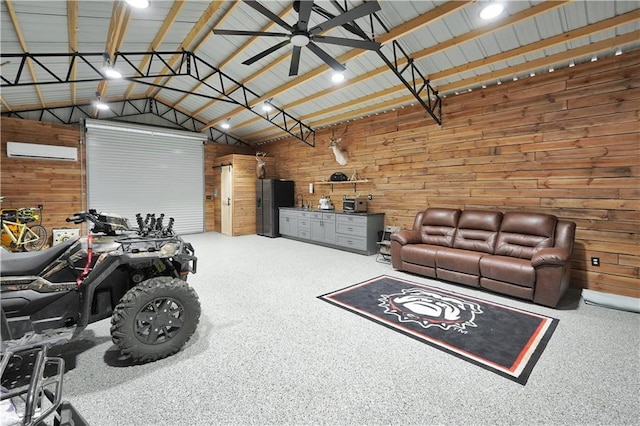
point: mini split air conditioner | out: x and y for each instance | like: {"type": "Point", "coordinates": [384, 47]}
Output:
{"type": "Point", "coordinates": [41, 152]}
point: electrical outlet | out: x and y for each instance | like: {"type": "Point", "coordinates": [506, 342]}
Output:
{"type": "Point", "coordinates": [595, 261]}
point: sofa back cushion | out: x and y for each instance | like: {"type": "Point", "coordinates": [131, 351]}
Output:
{"type": "Point", "coordinates": [478, 230]}
{"type": "Point", "coordinates": [523, 234]}
{"type": "Point", "coordinates": [439, 226]}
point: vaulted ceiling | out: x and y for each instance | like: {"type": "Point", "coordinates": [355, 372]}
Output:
{"type": "Point", "coordinates": [178, 72]}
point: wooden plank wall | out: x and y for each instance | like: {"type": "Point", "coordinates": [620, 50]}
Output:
{"type": "Point", "coordinates": [244, 190]}
{"type": "Point", "coordinates": [213, 155]}
{"type": "Point", "coordinates": [565, 143]}
{"type": "Point", "coordinates": [56, 185]}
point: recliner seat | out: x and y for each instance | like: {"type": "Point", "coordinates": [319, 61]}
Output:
{"type": "Point", "coordinates": [520, 254]}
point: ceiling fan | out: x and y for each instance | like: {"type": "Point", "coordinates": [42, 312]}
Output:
{"type": "Point", "coordinates": [300, 35]}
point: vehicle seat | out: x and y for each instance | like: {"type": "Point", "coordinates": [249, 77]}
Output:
{"type": "Point", "coordinates": [31, 263]}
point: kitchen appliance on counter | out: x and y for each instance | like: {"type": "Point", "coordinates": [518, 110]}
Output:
{"type": "Point", "coordinates": [354, 205]}
{"type": "Point", "coordinates": [325, 203]}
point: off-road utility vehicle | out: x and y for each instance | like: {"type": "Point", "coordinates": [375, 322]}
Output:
{"type": "Point", "coordinates": [136, 277]}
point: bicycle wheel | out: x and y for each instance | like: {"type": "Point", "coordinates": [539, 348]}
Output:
{"type": "Point", "coordinates": [35, 238]}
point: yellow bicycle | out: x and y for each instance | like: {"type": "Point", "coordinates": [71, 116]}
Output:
{"type": "Point", "coordinates": [16, 235]}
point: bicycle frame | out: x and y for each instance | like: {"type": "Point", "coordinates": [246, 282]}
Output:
{"type": "Point", "coordinates": [23, 230]}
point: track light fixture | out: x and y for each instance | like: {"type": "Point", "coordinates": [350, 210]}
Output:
{"type": "Point", "coordinates": [99, 104]}
{"type": "Point", "coordinates": [226, 125]}
{"type": "Point", "coordinates": [109, 70]}
{"type": "Point", "coordinates": [267, 106]}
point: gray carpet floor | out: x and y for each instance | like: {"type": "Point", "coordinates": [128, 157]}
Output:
{"type": "Point", "coordinates": [268, 352]}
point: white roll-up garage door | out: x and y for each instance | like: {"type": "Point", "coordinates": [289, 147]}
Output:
{"type": "Point", "coordinates": [140, 169]}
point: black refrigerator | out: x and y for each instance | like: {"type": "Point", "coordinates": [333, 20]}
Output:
{"type": "Point", "coordinates": [270, 195]}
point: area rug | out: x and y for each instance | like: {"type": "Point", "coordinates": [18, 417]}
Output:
{"type": "Point", "coordinates": [505, 340]}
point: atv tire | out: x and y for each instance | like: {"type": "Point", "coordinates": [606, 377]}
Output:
{"type": "Point", "coordinates": [155, 319]}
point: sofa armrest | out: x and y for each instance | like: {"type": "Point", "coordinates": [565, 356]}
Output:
{"type": "Point", "coordinates": [407, 236]}
{"type": "Point", "coordinates": [550, 256]}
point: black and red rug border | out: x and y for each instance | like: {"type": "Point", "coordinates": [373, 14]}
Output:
{"type": "Point", "coordinates": [518, 336]}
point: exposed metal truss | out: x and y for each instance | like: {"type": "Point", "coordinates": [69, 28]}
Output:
{"type": "Point", "coordinates": [417, 84]}
{"type": "Point", "coordinates": [66, 68]}
{"type": "Point", "coordinates": [125, 109]}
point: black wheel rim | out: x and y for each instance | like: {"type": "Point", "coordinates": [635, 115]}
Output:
{"type": "Point", "coordinates": [159, 321]}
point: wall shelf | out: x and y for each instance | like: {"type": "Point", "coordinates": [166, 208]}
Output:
{"type": "Point", "coordinates": [343, 182]}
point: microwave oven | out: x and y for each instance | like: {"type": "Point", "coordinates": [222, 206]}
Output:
{"type": "Point", "coordinates": [354, 205]}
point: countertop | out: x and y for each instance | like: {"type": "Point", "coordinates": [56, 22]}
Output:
{"type": "Point", "coordinates": [313, 210]}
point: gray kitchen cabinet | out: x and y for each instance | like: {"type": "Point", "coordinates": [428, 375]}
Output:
{"type": "Point", "coordinates": [356, 232]}
{"type": "Point", "coordinates": [288, 222]}
{"type": "Point", "coordinates": [323, 227]}
{"type": "Point", "coordinates": [304, 224]}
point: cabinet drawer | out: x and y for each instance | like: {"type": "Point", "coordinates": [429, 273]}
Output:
{"type": "Point", "coordinates": [352, 220]}
{"type": "Point", "coordinates": [304, 233]}
{"type": "Point", "coordinates": [305, 215]}
{"type": "Point", "coordinates": [304, 223]}
{"type": "Point", "coordinates": [352, 242]}
{"type": "Point", "coordinates": [351, 229]}
{"type": "Point", "coordinates": [316, 215]}
{"type": "Point", "coordinates": [329, 217]}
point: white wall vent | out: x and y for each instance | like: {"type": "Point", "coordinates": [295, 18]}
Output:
{"type": "Point", "coordinates": [41, 152]}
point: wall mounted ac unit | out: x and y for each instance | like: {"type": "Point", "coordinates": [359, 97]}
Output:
{"type": "Point", "coordinates": [41, 152]}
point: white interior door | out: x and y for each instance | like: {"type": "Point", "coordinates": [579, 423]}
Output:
{"type": "Point", "coordinates": [226, 191]}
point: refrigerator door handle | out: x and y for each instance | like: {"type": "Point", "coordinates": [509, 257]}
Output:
{"type": "Point", "coordinates": [259, 202]}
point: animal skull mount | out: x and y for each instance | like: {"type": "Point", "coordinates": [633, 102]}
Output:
{"type": "Point", "coordinates": [261, 171]}
{"type": "Point", "coordinates": [342, 157]}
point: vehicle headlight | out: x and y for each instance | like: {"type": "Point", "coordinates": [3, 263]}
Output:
{"type": "Point", "coordinates": [169, 249]}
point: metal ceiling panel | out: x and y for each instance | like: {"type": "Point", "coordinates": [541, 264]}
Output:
{"type": "Point", "coordinates": [44, 27]}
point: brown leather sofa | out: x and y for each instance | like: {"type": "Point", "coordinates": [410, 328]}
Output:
{"type": "Point", "coordinates": [526, 255]}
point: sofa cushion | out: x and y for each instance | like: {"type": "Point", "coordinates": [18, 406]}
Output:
{"type": "Point", "coordinates": [439, 226]}
{"type": "Point", "coordinates": [508, 269]}
{"type": "Point", "coordinates": [465, 261]}
{"type": "Point", "coordinates": [522, 234]}
{"type": "Point", "coordinates": [420, 254]}
{"type": "Point", "coordinates": [478, 230]}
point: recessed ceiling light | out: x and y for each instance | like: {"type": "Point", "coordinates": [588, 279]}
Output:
{"type": "Point", "coordinates": [491, 11]}
{"type": "Point", "coordinates": [139, 4]}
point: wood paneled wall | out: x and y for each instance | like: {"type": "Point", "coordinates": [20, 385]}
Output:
{"type": "Point", "coordinates": [56, 185]}
{"type": "Point", "coordinates": [565, 143]}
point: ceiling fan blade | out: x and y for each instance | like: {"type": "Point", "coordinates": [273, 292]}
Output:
{"type": "Point", "coordinates": [266, 12]}
{"type": "Point", "coordinates": [304, 14]}
{"type": "Point", "coordinates": [359, 44]}
{"type": "Point", "coordinates": [248, 33]}
{"type": "Point", "coordinates": [266, 52]}
{"type": "Point", "coordinates": [337, 66]}
{"type": "Point", "coordinates": [295, 61]}
{"type": "Point", "coordinates": [351, 15]}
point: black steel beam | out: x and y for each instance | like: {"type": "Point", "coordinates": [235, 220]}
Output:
{"type": "Point", "coordinates": [125, 109]}
{"type": "Point", "coordinates": [418, 85]}
{"type": "Point", "coordinates": [58, 68]}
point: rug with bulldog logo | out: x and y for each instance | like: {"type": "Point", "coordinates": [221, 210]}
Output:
{"type": "Point", "coordinates": [502, 339]}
